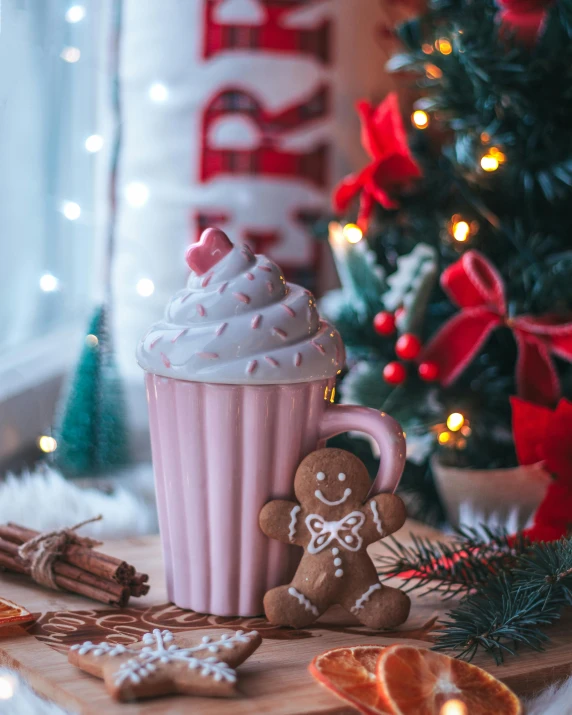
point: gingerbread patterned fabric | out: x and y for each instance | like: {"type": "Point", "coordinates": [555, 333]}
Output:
{"type": "Point", "coordinates": [61, 629]}
{"type": "Point", "coordinates": [334, 521]}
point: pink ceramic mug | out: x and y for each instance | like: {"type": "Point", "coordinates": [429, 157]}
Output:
{"type": "Point", "coordinates": [240, 375]}
{"type": "Point", "coordinates": [220, 452]}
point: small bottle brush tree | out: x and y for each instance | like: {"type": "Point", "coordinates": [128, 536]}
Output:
{"type": "Point", "coordinates": [467, 218]}
{"type": "Point", "coordinates": [92, 436]}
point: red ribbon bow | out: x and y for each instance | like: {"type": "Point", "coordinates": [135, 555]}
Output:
{"type": "Point", "coordinates": [474, 285]}
{"type": "Point", "coordinates": [392, 167]}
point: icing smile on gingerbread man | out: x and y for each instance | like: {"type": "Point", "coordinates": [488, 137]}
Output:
{"type": "Point", "coordinates": [320, 476]}
{"type": "Point", "coordinates": [334, 532]}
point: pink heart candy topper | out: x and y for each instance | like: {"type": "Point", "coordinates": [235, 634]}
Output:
{"type": "Point", "coordinates": [212, 246]}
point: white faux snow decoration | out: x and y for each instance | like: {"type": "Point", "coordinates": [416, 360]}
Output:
{"type": "Point", "coordinates": [125, 500]}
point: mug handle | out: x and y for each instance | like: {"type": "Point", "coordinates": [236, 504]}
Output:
{"type": "Point", "coordinates": [385, 431]}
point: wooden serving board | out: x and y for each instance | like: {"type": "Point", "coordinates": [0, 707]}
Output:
{"type": "Point", "coordinates": [275, 679]}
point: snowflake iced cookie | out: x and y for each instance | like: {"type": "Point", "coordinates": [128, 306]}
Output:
{"type": "Point", "coordinates": [164, 664]}
{"type": "Point", "coordinates": [334, 521]}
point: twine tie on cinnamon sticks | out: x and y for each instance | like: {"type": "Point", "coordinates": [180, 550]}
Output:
{"type": "Point", "coordinates": [40, 552]}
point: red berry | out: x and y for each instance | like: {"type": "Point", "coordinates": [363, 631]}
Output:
{"type": "Point", "coordinates": [428, 371]}
{"type": "Point", "coordinates": [384, 323]}
{"type": "Point", "coordinates": [394, 373]}
{"type": "Point", "coordinates": [408, 347]}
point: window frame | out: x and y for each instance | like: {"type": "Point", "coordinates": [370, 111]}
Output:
{"type": "Point", "coordinates": [31, 378]}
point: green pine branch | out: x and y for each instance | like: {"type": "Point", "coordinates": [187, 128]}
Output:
{"type": "Point", "coordinates": [449, 568]}
{"type": "Point", "coordinates": [510, 589]}
{"type": "Point", "coordinates": [497, 618]}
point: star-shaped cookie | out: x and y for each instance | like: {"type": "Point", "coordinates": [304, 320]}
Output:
{"type": "Point", "coordinates": [164, 664]}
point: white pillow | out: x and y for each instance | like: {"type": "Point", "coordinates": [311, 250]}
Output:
{"type": "Point", "coordinates": [172, 67]}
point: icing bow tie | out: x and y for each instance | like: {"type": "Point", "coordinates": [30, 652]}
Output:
{"type": "Point", "coordinates": [345, 532]}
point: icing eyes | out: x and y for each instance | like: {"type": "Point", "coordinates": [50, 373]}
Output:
{"type": "Point", "coordinates": [342, 477]}
{"type": "Point", "coordinates": [320, 476]}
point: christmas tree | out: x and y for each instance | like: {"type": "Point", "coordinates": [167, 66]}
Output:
{"type": "Point", "coordinates": [455, 250]}
{"type": "Point", "coordinates": [92, 435]}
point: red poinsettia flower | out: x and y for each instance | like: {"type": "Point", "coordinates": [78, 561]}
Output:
{"type": "Point", "coordinates": [392, 168]}
{"type": "Point", "coordinates": [543, 435]}
{"type": "Point", "coordinates": [525, 18]}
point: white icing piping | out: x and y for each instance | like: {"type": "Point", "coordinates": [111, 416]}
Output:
{"type": "Point", "coordinates": [323, 499]}
{"type": "Point", "coordinates": [345, 532]}
{"type": "Point", "coordinates": [100, 648]}
{"type": "Point", "coordinates": [359, 604]}
{"type": "Point", "coordinates": [376, 518]}
{"type": "Point", "coordinates": [293, 517]}
{"type": "Point", "coordinates": [308, 605]}
{"type": "Point", "coordinates": [144, 661]}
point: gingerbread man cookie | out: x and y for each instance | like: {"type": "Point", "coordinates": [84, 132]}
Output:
{"type": "Point", "coordinates": [334, 521]}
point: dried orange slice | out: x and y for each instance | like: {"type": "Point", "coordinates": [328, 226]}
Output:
{"type": "Point", "coordinates": [11, 613]}
{"type": "Point", "coordinates": [350, 674]}
{"type": "Point", "coordinates": [415, 681]}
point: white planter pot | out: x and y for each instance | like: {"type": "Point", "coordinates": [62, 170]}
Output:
{"type": "Point", "coordinates": [507, 497]}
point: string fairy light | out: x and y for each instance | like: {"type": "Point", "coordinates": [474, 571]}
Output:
{"type": "Point", "coordinates": [455, 421]}
{"type": "Point", "coordinates": [444, 46]}
{"type": "Point", "coordinates": [420, 119]}
{"type": "Point", "coordinates": [94, 143]}
{"type": "Point", "coordinates": [498, 154]}
{"type": "Point", "coordinates": [145, 287]}
{"type": "Point", "coordinates": [489, 163]}
{"type": "Point", "coordinates": [47, 444]}
{"type": "Point", "coordinates": [71, 210]}
{"type": "Point", "coordinates": [432, 71]}
{"type": "Point", "coordinates": [136, 194]}
{"type": "Point", "coordinates": [492, 159]}
{"type": "Point", "coordinates": [158, 92]}
{"type": "Point", "coordinates": [454, 432]}
{"type": "Point", "coordinates": [427, 48]}
{"type": "Point", "coordinates": [352, 233]}
{"type": "Point", "coordinates": [70, 54]}
{"type": "Point", "coordinates": [461, 231]}
{"type": "Point", "coordinates": [49, 283]}
{"type": "Point", "coordinates": [92, 341]}
{"type": "Point", "coordinates": [75, 13]}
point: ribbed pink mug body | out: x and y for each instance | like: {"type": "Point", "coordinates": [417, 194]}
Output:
{"type": "Point", "coordinates": [220, 452]}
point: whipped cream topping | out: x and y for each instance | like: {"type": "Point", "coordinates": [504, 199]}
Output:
{"type": "Point", "coordinates": [241, 323]}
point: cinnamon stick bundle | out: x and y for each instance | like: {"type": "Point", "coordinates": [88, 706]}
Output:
{"type": "Point", "coordinates": [78, 569]}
